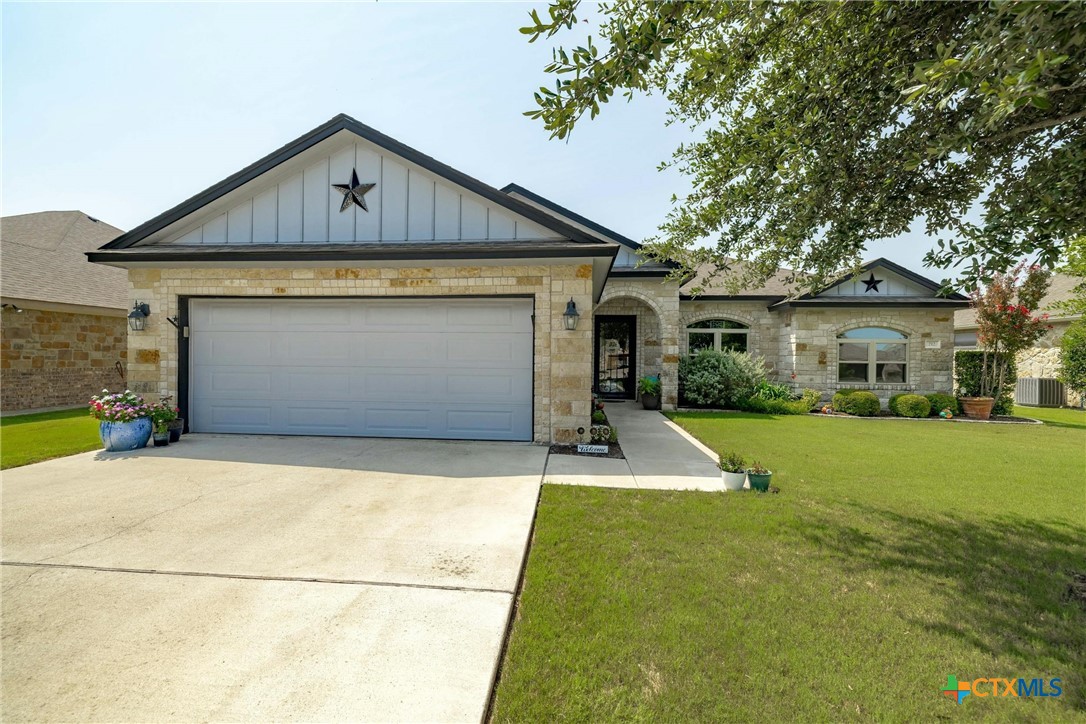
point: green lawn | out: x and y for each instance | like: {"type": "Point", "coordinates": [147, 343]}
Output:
{"type": "Point", "coordinates": [26, 439]}
{"type": "Point", "coordinates": [896, 554]}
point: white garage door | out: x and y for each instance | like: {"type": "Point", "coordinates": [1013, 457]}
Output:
{"type": "Point", "coordinates": [452, 368]}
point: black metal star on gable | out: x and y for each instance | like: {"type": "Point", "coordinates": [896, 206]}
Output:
{"type": "Point", "coordinates": [872, 283]}
{"type": "Point", "coordinates": [353, 193]}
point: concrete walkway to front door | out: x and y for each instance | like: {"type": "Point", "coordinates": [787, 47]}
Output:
{"type": "Point", "coordinates": [659, 454]}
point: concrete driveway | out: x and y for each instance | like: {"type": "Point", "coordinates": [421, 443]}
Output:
{"type": "Point", "coordinates": [261, 578]}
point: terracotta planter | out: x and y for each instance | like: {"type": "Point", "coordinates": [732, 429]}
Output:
{"type": "Point", "coordinates": [978, 408]}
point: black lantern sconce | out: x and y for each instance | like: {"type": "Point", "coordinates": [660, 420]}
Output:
{"type": "Point", "coordinates": [137, 318]}
{"type": "Point", "coordinates": [571, 315]}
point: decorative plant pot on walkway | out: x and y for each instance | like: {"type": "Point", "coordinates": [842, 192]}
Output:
{"type": "Point", "coordinates": [651, 402]}
{"type": "Point", "coordinates": [979, 408]}
{"type": "Point", "coordinates": [121, 436]}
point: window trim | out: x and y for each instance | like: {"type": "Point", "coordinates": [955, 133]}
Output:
{"type": "Point", "coordinates": [872, 356]}
{"type": "Point", "coordinates": [744, 330]}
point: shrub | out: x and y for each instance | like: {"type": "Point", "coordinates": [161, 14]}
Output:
{"type": "Point", "coordinates": [721, 379]}
{"type": "Point", "coordinates": [807, 401]}
{"type": "Point", "coordinates": [891, 404]}
{"type": "Point", "coordinates": [968, 364]}
{"type": "Point", "coordinates": [772, 391]}
{"type": "Point", "coordinates": [1073, 357]}
{"type": "Point", "coordinates": [599, 418]}
{"type": "Point", "coordinates": [940, 402]}
{"type": "Point", "coordinates": [732, 462]}
{"type": "Point", "coordinates": [862, 403]}
{"type": "Point", "coordinates": [612, 437]}
{"type": "Point", "coordinates": [912, 406]}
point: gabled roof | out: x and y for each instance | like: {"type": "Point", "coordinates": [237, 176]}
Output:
{"type": "Point", "coordinates": [335, 125]}
{"type": "Point", "coordinates": [43, 260]}
{"type": "Point", "coordinates": [659, 267]}
{"type": "Point", "coordinates": [814, 298]}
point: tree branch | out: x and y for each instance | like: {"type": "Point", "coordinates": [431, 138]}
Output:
{"type": "Point", "coordinates": [1040, 125]}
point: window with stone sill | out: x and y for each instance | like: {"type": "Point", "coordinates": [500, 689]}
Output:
{"type": "Point", "coordinates": [872, 355]}
{"type": "Point", "coordinates": [716, 334]}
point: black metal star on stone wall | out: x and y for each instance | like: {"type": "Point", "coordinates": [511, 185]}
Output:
{"type": "Point", "coordinates": [353, 193]}
{"type": "Point", "coordinates": [872, 283]}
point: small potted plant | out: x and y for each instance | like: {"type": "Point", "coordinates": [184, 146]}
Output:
{"type": "Point", "coordinates": [759, 477]}
{"type": "Point", "coordinates": [177, 424]}
{"type": "Point", "coordinates": [649, 387]}
{"type": "Point", "coordinates": [124, 420]}
{"type": "Point", "coordinates": [733, 470]}
{"type": "Point", "coordinates": [162, 414]}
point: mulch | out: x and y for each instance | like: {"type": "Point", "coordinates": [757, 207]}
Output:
{"type": "Point", "coordinates": [613, 451]}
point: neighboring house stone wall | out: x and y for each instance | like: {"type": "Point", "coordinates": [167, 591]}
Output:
{"type": "Point", "coordinates": [1043, 359]}
{"type": "Point", "coordinates": [563, 359]}
{"type": "Point", "coordinates": [812, 334]}
{"type": "Point", "coordinates": [655, 302]}
{"type": "Point", "coordinates": [53, 359]}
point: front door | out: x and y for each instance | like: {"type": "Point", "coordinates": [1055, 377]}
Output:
{"type": "Point", "coordinates": [615, 356]}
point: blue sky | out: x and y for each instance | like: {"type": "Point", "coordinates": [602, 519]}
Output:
{"type": "Point", "coordinates": [124, 110]}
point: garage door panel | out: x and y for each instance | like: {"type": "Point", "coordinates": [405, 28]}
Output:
{"type": "Point", "coordinates": [329, 420]}
{"type": "Point", "coordinates": [399, 421]}
{"type": "Point", "coordinates": [318, 315]}
{"type": "Point", "coordinates": [256, 316]}
{"type": "Point", "coordinates": [238, 348]}
{"type": "Point", "coordinates": [389, 384]}
{"type": "Point", "coordinates": [319, 348]}
{"type": "Point", "coordinates": [324, 384]}
{"type": "Point", "coordinates": [224, 381]}
{"type": "Point", "coordinates": [239, 416]}
{"type": "Point", "coordinates": [396, 368]}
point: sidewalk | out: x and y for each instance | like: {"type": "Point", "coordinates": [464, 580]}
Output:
{"type": "Point", "coordinates": [659, 456]}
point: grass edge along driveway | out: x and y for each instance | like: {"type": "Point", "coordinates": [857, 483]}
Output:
{"type": "Point", "coordinates": [26, 439]}
{"type": "Point", "coordinates": [897, 554]}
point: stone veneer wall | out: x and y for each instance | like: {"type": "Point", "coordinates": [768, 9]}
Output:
{"type": "Point", "coordinates": [812, 335]}
{"type": "Point", "coordinates": [52, 359]}
{"type": "Point", "coordinates": [655, 302]}
{"type": "Point", "coordinates": [563, 359]}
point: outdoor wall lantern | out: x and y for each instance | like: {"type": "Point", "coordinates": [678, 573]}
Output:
{"type": "Point", "coordinates": [137, 318]}
{"type": "Point", "coordinates": [571, 315]}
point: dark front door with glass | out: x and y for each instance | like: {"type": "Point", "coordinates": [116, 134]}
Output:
{"type": "Point", "coordinates": [615, 361]}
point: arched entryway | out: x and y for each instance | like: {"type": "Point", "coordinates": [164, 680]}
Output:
{"type": "Point", "coordinates": [627, 345]}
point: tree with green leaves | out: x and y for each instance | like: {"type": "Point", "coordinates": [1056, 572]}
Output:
{"type": "Point", "coordinates": [1075, 265]}
{"type": "Point", "coordinates": [825, 126]}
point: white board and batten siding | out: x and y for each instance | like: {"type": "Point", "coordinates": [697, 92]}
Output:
{"type": "Point", "coordinates": [892, 285]}
{"type": "Point", "coordinates": [417, 368]}
{"type": "Point", "coordinates": [299, 205]}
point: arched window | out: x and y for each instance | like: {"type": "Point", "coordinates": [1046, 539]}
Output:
{"type": "Point", "coordinates": [872, 355]}
{"type": "Point", "coordinates": [718, 334]}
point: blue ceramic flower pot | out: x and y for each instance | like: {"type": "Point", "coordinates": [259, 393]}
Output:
{"type": "Point", "coordinates": [121, 436]}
